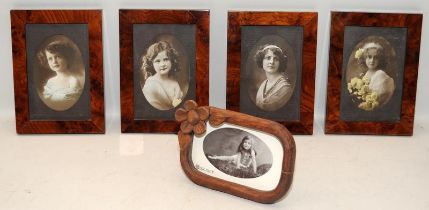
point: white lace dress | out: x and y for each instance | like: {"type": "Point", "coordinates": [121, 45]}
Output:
{"type": "Point", "coordinates": [60, 98]}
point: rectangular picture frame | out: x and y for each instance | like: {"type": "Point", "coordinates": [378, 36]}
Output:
{"type": "Point", "coordinates": [93, 87]}
{"type": "Point", "coordinates": [305, 22]}
{"type": "Point", "coordinates": [160, 20]}
{"type": "Point", "coordinates": [403, 125]}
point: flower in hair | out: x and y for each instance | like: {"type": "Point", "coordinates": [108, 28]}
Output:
{"type": "Point", "coordinates": [359, 53]}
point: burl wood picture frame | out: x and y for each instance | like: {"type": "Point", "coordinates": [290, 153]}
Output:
{"type": "Point", "coordinates": [74, 36]}
{"type": "Point", "coordinates": [146, 31]}
{"type": "Point", "coordinates": [394, 40]}
{"type": "Point", "coordinates": [213, 147]}
{"type": "Point", "coordinates": [294, 34]}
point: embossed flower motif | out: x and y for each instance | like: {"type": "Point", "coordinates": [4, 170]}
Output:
{"type": "Point", "coordinates": [192, 118]}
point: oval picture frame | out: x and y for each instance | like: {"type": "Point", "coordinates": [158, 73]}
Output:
{"type": "Point", "coordinates": [193, 126]}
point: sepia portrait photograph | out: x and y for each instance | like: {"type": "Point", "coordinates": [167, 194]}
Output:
{"type": "Point", "coordinates": [58, 71]}
{"type": "Point", "coordinates": [271, 58]}
{"type": "Point", "coordinates": [373, 69]}
{"type": "Point", "coordinates": [240, 155]}
{"type": "Point", "coordinates": [164, 63]}
{"type": "Point", "coordinates": [237, 153]}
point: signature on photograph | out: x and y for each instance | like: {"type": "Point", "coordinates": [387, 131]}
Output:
{"type": "Point", "coordinates": [198, 167]}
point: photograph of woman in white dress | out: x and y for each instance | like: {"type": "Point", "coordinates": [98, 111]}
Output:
{"type": "Point", "coordinates": [64, 61]}
{"type": "Point", "coordinates": [374, 87]}
{"type": "Point", "coordinates": [275, 90]}
{"type": "Point", "coordinates": [160, 63]}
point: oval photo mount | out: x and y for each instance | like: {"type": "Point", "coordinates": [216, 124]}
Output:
{"type": "Point", "coordinates": [235, 153]}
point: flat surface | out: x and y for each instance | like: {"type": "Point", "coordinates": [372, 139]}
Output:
{"type": "Point", "coordinates": [142, 171]}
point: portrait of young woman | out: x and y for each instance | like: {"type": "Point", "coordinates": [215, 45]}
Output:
{"type": "Point", "coordinates": [270, 75]}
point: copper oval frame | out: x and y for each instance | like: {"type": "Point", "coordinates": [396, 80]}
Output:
{"type": "Point", "coordinates": [217, 117]}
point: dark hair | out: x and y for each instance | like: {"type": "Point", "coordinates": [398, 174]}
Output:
{"type": "Point", "coordinates": [152, 52]}
{"type": "Point", "coordinates": [263, 50]}
{"type": "Point", "coordinates": [240, 148]}
{"type": "Point", "coordinates": [63, 49]}
{"type": "Point", "coordinates": [382, 62]}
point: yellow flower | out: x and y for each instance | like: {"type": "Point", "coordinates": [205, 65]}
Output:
{"type": "Point", "coordinates": [361, 92]}
{"type": "Point", "coordinates": [359, 84]}
{"type": "Point", "coordinates": [371, 97]}
{"type": "Point", "coordinates": [358, 87]}
{"type": "Point", "coordinates": [369, 101]}
{"type": "Point", "coordinates": [364, 106]}
{"type": "Point", "coordinates": [176, 102]}
{"type": "Point", "coordinates": [349, 87]}
{"type": "Point", "coordinates": [358, 53]}
{"type": "Point", "coordinates": [374, 95]}
{"type": "Point", "coordinates": [354, 81]}
{"type": "Point", "coordinates": [366, 88]}
{"type": "Point", "coordinates": [365, 80]}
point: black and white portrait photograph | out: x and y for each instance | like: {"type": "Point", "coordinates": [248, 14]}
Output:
{"type": "Point", "coordinates": [239, 155]}
{"type": "Point", "coordinates": [65, 81]}
{"type": "Point", "coordinates": [164, 63]}
{"type": "Point", "coordinates": [271, 71]}
{"type": "Point", "coordinates": [58, 71]}
{"type": "Point", "coordinates": [275, 91]}
{"type": "Point", "coordinates": [373, 73]}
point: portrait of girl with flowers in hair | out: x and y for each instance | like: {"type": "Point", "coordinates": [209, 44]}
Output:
{"type": "Point", "coordinates": [373, 88]}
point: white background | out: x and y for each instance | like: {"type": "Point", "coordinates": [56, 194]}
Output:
{"type": "Point", "coordinates": [115, 171]}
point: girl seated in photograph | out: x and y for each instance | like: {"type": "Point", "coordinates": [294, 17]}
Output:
{"type": "Point", "coordinates": [62, 90]}
{"type": "Point", "coordinates": [372, 58]}
{"type": "Point", "coordinates": [161, 88]}
{"type": "Point", "coordinates": [244, 160]}
{"type": "Point", "coordinates": [276, 90]}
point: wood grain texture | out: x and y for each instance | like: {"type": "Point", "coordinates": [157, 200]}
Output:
{"type": "Point", "coordinates": [218, 116]}
{"type": "Point", "coordinates": [19, 18]}
{"type": "Point", "coordinates": [413, 23]}
{"type": "Point", "coordinates": [126, 20]}
{"type": "Point", "coordinates": [308, 20]}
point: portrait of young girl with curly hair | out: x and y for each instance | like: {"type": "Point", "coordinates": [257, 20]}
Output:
{"type": "Point", "coordinates": [159, 66]}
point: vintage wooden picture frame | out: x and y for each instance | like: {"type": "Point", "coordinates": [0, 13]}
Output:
{"type": "Point", "coordinates": [287, 94]}
{"type": "Point", "coordinates": [58, 71]}
{"type": "Point", "coordinates": [150, 92]}
{"type": "Point", "coordinates": [373, 66]}
{"type": "Point", "coordinates": [235, 153]}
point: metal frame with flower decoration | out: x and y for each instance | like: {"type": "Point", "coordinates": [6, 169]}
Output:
{"type": "Point", "coordinates": [128, 18]}
{"type": "Point", "coordinates": [193, 120]}
{"type": "Point", "coordinates": [334, 124]}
